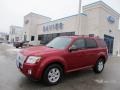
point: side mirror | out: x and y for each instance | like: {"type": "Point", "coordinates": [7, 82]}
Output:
{"type": "Point", "coordinates": [73, 48]}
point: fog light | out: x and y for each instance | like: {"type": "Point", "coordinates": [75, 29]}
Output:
{"type": "Point", "coordinates": [29, 72]}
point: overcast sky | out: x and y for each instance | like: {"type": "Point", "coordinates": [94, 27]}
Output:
{"type": "Point", "coordinates": [13, 11]}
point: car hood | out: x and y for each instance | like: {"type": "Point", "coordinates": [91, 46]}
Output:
{"type": "Point", "coordinates": [38, 50]}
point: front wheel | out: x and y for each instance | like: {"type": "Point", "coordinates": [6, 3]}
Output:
{"type": "Point", "coordinates": [99, 66]}
{"type": "Point", "coordinates": [53, 74]}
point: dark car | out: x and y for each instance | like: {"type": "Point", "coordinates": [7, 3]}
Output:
{"type": "Point", "coordinates": [62, 55]}
{"type": "Point", "coordinates": [18, 44]}
{"type": "Point", "coordinates": [21, 44]}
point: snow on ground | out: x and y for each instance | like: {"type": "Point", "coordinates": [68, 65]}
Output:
{"type": "Point", "coordinates": [11, 48]}
{"type": "Point", "coordinates": [9, 45]}
{"type": "Point", "coordinates": [101, 81]}
{"type": "Point", "coordinates": [14, 50]}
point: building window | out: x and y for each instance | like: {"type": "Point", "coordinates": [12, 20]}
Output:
{"type": "Point", "coordinates": [56, 26]}
{"type": "Point", "coordinates": [61, 25]}
{"type": "Point", "coordinates": [13, 31]}
{"type": "Point", "coordinates": [32, 38]}
{"type": "Point", "coordinates": [40, 37]}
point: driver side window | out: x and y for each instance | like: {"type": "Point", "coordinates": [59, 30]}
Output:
{"type": "Point", "coordinates": [79, 44]}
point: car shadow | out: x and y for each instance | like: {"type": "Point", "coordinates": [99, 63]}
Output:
{"type": "Point", "coordinates": [71, 78]}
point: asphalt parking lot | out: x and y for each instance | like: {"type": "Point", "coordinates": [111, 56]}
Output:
{"type": "Point", "coordinates": [12, 79]}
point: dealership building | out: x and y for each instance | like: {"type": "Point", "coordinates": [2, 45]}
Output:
{"type": "Point", "coordinates": [97, 19]}
{"type": "Point", "coordinates": [16, 34]}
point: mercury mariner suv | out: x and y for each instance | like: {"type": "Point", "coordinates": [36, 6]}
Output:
{"type": "Point", "coordinates": [62, 55]}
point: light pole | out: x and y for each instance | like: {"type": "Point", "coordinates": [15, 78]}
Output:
{"type": "Point", "coordinates": [25, 37]}
{"type": "Point", "coordinates": [80, 4]}
{"type": "Point", "coordinates": [79, 17]}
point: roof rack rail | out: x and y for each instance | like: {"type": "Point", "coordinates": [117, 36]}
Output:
{"type": "Point", "coordinates": [90, 35]}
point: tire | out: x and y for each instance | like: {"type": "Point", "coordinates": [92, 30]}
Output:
{"type": "Point", "coordinates": [53, 74]}
{"type": "Point", "coordinates": [17, 46]}
{"type": "Point", "coordinates": [99, 66]}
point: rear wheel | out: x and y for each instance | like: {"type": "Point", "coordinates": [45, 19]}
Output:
{"type": "Point", "coordinates": [99, 66]}
{"type": "Point", "coordinates": [53, 74]}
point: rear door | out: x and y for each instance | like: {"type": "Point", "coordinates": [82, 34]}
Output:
{"type": "Point", "coordinates": [91, 51]}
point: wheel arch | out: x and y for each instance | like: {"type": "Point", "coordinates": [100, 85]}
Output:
{"type": "Point", "coordinates": [102, 57]}
{"type": "Point", "coordinates": [55, 62]}
{"type": "Point", "coordinates": [48, 63]}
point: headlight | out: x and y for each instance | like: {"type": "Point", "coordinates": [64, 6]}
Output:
{"type": "Point", "coordinates": [32, 59]}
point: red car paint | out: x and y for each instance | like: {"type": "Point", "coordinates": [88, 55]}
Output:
{"type": "Point", "coordinates": [71, 61]}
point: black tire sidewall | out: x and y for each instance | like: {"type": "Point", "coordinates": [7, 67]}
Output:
{"type": "Point", "coordinates": [17, 46]}
{"type": "Point", "coordinates": [45, 75]}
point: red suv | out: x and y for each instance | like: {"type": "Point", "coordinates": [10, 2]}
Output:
{"type": "Point", "coordinates": [62, 55]}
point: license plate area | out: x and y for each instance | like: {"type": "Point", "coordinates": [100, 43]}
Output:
{"type": "Point", "coordinates": [20, 60]}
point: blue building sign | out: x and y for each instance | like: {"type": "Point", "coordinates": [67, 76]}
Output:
{"type": "Point", "coordinates": [57, 26]}
{"type": "Point", "coordinates": [111, 19]}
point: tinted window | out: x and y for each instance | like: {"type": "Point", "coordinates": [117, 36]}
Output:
{"type": "Point", "coordinates": [101, 43]}
{"type": "Point", "coordinates": [80, 43]}
{"type": "Point", "coordinates": [91, 43]}
{"type": "Point", "coordinates": [40, 37]}
{"type": "Point", "coordinates": [32, 38]}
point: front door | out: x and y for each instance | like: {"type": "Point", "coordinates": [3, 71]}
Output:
{"type": "Point", "coordinates": [75, 58]}
{"type": "Point", "coordinates": [109, 41]}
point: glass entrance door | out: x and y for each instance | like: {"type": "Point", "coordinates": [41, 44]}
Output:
{"type": "Point", "coordinates": [109, 41]}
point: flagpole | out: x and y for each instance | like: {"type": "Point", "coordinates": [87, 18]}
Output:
{"type": "Point", "coordinates": [80, 2]}
{"type": "Point", "coordinates": [79, 17]}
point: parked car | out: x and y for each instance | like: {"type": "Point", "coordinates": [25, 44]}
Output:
{"type": "Point", "coordinates": [21, 44]}
{"type": "Point", "coordinates": [62, 55]}
{"type": "Point", "coordinates": [18, 44]}
{"type": "Point", "coordinates": [26, 44]}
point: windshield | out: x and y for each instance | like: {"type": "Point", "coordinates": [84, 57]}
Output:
{"type": "Point", "coordinates": [59, 43]}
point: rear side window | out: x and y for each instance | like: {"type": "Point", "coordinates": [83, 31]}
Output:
{"type": "Point", "coordinates": [101, 43]}
{"type": "Point", "coordinates": [91, 43]}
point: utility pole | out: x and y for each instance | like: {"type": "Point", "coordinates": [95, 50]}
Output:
{"type": "Point", "coordinates": [79, 17]}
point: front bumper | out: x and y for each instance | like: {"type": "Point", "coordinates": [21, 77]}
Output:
{"type": "Point", "coordinates": [31, 71]}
